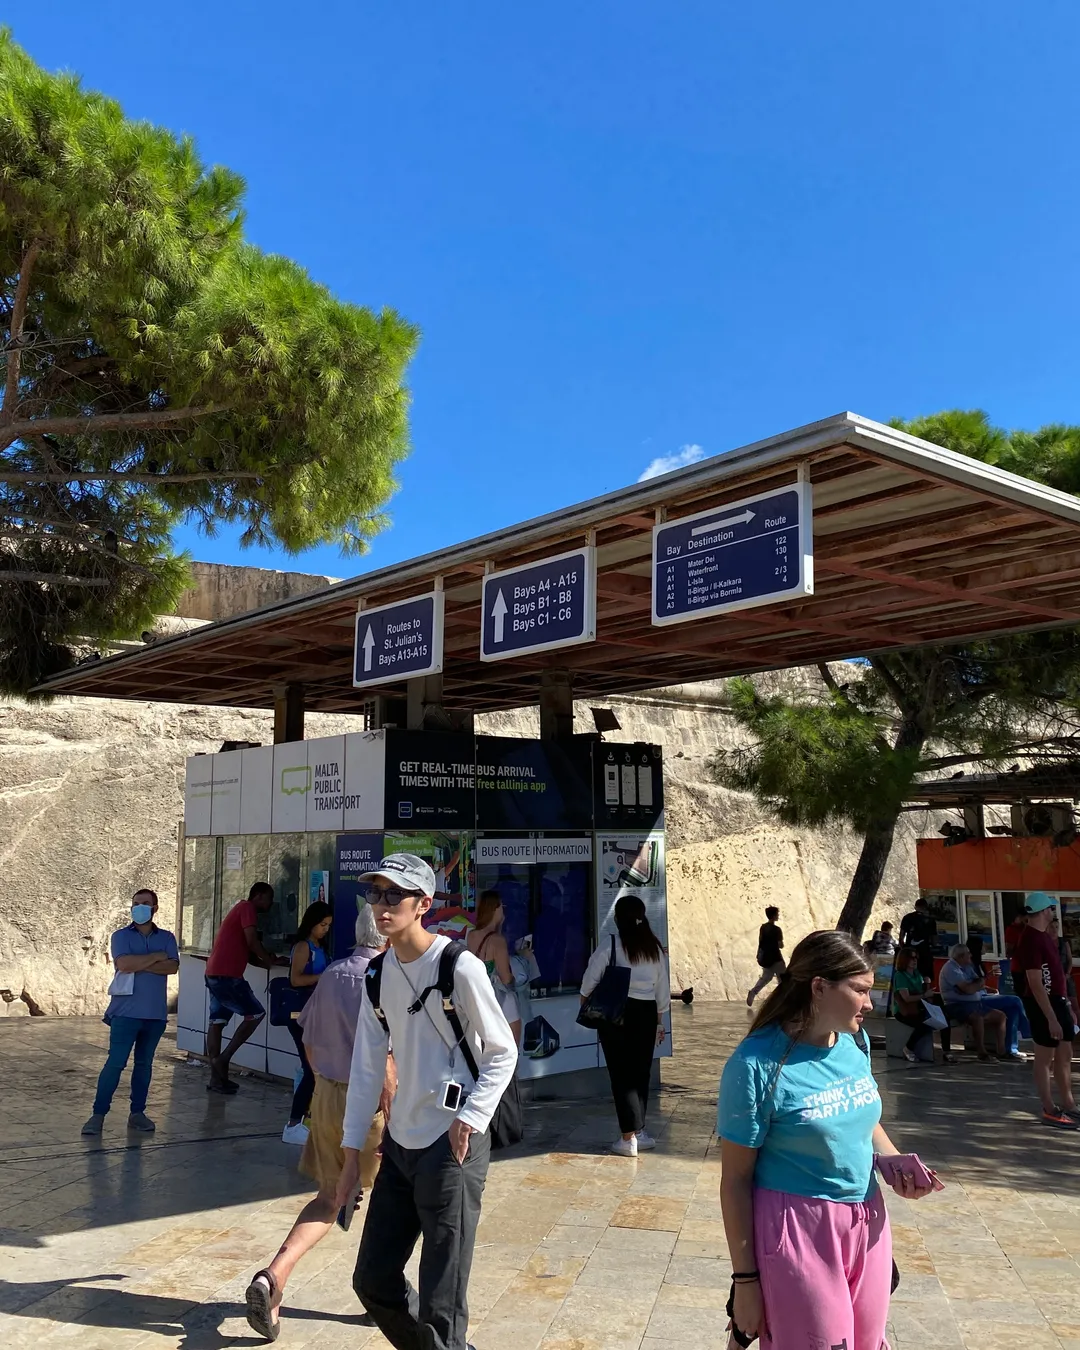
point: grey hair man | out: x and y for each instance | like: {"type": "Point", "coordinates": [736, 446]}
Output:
{"type": "Point", "coordinates": [329, 1023]}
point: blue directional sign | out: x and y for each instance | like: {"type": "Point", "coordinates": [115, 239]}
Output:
{"type": "Point", "coordinates": [751, 552]}
{"type": "Point", "coordinates": [399, 641]}
{"type": "Point", "coordinates": [543, 605]}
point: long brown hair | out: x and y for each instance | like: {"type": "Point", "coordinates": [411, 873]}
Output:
{"type": "Point", "coordinates": [827, 955]}
{"type": "Point", "coordinates": [487, 907]}
{"type": "Point", "coordinates": [639, 942]}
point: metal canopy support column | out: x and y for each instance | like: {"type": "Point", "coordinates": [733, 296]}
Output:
{"type": "Point", "coordinates": [425, 694]}
{"type": "Point", "coordinates": [288, 713]}
{"type": "Point", "coordinates": [556, 705]}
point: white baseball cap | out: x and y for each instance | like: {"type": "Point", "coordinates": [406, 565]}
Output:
{"type": "Point", "coordinates": [405, 870]}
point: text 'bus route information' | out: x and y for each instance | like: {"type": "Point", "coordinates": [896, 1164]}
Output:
{"type": "Point", "coordinates": [540, 606]}
{"type": "Point", "coordinates": [752, 552]}
{"type": "Point", "coordinates": [399, 641]}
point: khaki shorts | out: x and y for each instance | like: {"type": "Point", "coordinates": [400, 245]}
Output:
{"type": "Point", "coordinates": [322, 1158]}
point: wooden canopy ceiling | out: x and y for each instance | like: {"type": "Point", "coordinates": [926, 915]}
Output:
{"type": "Point", "coordinates": [912, 545]}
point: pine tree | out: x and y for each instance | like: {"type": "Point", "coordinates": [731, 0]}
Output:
{"type": "Point", "coordinates": [159, 368]}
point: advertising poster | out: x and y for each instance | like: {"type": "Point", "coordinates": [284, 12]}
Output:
{"type": "Point", "coordinates": [354, 854]}
{"type": "Point", "coordinates": [629, 786]}
{"type": "Point", "coordinates": [318, 887]}
{"type": "Point", "coordinates": [523, 784]}
{"type": "Point", "coordinates": [430, 780]}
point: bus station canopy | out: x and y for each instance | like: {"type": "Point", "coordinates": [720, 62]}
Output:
{"type": "Point", "coordinates": [913, 544]}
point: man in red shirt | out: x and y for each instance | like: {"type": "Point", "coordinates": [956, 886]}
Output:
{"type": "Point", "coordinates": [1047, 1006]}
{"type": "Point", "coordinates": [236, 946]}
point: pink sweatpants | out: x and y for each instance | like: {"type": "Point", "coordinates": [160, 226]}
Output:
{"type": "Point", "coordinates": [825, 1270]}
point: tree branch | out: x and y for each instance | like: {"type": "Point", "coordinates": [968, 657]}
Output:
{"type": "Point", "coordinates": [889, 680]}
{"type": "Point", "coordinates": [18, 317]}
{"type": "Point", "coordinates": [54, 579]}
{"type": "Point", "coordinates": [118, 476]}
{"type": "Point", "coordinates": [76, 426]}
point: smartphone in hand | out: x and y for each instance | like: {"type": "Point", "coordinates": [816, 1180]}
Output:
{"type": "Point", "coordinates": [348, 1209]}
{"type": "Point", "coordinates": [893, 1166]}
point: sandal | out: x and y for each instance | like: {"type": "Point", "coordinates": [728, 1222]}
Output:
{"type": "Point", "coordinates": [259, 1296]}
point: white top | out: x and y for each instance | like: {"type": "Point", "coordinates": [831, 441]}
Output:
{"type": "Point", "coordinates": [424, 1052]}
{"type": "Point", "coordinates": [648, 979]}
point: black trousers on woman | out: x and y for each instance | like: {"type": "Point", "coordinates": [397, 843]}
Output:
{"type": "Point", "coordinates": [628, 1050]}
{"type": "Point", "coordinates": [305, 1089]}
{"type": "Point", "coordinates": [921, 1027]}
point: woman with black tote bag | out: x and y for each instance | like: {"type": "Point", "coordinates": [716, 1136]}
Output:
{"type": "Point", "coordinates": [629, 1037]}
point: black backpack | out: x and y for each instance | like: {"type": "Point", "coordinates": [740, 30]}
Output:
{"type": "Point", "coordinates": [507, 1124]}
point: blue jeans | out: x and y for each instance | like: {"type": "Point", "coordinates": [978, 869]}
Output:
{"type": "Point", "coordinates": [140, 1034]}
{"type": "Point", "coordinates": [1015, 1018]}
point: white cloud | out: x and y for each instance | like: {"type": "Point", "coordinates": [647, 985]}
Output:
{"type": "Point", "coordinates": [687, 454]}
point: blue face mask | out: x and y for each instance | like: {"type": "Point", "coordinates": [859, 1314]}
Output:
{"type": "Point", "coordinates": [141, 913]}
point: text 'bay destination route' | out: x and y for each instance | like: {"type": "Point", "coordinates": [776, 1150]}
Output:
{"type": "Point", "coordinates": [746, 553]}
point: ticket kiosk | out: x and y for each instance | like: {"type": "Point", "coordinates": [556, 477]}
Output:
{"type": "Point", "coordinates": [560, 829]}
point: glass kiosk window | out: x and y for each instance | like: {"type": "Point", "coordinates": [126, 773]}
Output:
{"type": "Point", "coordinates": [553, 902]}
{"type": "Point", "coordinates": [944, 909]}
{"type": "Point", "coordinates": [198, 893]}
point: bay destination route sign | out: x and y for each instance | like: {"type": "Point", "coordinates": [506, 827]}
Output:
{"type": "Point", "coordinates": [751, 552]}
{"type": "Point", "coordinates": [539, 606]}
{"type": "Point", "coordinates": [399, 641]}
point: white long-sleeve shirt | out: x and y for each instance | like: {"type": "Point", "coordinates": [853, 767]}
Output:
{"type": "Point", "coordinates": [424, 1051]}
{"type": "Point", "coordinates": [648, 979]}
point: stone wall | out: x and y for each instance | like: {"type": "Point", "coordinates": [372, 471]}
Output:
{"type": "Point", "coordinates": [219, 591]}
{"type": "Point", "coordinates": [91, 793]}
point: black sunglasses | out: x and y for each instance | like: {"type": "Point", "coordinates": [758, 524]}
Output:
{"type": "Point", "coordinates": [388, 895]}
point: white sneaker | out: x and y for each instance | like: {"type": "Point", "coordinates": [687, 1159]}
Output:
{"type": "Point", "coordinates": [645, 1141]}
{"type": "Point", "coordinates": [295, 1134]}
{"type": "Point", "coordinates": [625, 1148]}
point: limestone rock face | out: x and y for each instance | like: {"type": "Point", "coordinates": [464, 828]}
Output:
{"type": "Point", "coordinates": [91, 794]}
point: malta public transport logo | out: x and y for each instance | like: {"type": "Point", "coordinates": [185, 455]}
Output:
{"type": "Point", "coordinates": [296, 780]}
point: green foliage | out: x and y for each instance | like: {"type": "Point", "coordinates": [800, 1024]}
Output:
{"type": "Point", "coordinates": [814, 761]}
{"type": "Point", "coordinates": [160, 368]}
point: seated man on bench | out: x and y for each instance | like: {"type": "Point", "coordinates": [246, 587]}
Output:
{"type": "Point", "coordinates": [963, 994]}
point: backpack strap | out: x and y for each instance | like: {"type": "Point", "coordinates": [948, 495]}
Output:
{"type": "Point", "coordinates": [447, 965]}
{"type": "Point", "coordinates": [373, 986]}
{"type": "Point", "coordinates": [444, 985]}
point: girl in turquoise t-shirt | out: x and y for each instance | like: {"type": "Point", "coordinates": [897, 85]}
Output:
{"type": "Point", "coordinates": [799, 1118]}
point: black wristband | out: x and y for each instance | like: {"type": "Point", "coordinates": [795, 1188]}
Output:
{"type": "Point", "coordinates": [747, 1275]}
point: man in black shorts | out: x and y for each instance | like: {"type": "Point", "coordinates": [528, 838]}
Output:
{"type": "Point", "coordinates": [1047, 1006]}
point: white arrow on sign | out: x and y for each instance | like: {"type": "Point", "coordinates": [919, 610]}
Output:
{"type": "Point", "coordinates": [743, 518]}
{"type": "Point", "coordinates": [499, 614]}
{"type": "Point", "coordinates": [369, 646]}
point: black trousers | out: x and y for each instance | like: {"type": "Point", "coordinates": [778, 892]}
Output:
{"type": "Point", "coordinates": [422, 1193]}
{"type": "Point", "coordinates": [920, 1027]}
{"type": "Point", "coordinates": [628, 1050]}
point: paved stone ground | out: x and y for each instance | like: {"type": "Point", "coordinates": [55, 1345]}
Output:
{"type": "Point", "coordinates": [150, 1242]}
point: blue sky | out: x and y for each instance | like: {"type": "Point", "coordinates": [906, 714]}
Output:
{"type": "Point", "coordinates": [628, 228]}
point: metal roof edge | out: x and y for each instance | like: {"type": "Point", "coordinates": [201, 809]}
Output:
{"type": "Point", "coordinates": [804, 440]}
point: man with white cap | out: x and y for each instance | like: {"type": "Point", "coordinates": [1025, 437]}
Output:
{"type": "Point", "coordinates": [1047, 1005]}
{"type": "Point", "coordinates": [436, 1149]}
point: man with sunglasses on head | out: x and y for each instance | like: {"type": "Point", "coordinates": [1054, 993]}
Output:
{"type": "Point", "coordinates": [436, 1149]}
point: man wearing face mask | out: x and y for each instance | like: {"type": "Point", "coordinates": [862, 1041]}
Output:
{"type": "Point", "coordinates": [144, 957]}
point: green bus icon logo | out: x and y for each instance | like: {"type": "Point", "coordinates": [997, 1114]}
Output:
{"type": "Point", "coordinates": [296, 780]}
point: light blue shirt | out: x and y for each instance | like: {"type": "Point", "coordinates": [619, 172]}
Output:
{"type": "Point", "coordinates": [952, 974]}
{"type": "Point", "coordinates": [810, 1112]}
{"type": "Point", "coordinates": [151, 997]}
